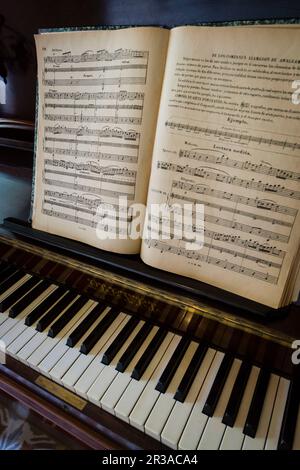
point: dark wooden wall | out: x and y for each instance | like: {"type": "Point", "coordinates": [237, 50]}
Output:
{"type": "Point", "coordinates": [28, 16]}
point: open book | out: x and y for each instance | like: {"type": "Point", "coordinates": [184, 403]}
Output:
{"type": "Point", "coordinates": [195, 116]}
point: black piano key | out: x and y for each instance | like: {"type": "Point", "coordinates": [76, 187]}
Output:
{"type": "Point", "coordinates": [42, 308]}
{"type": "Point", "coordinates": [17, 308]}
{"type": "Point", "coordinates": [83, 327]}
{"type": "Point", "coordinates": [119, 341]}
{"type": "Point", "coordinates": [290, 415]}
{"type": "Point", "coordinates": [254, 413]}
{"type": "Point", "coordinates": [98, 331]}
{"type": "Point", "coordinates": [190, 373]}
{"type": "Point", "coordinates": [6, 272]}
{"type": "Point", "coordinates": [237, 393]}
{"type": "Point", "coordinates": [133, 347]}
{"type": "Point", "coordinates": [148, 354]}
{"type": "Point", "coordinates": [67, 316]}
{"type": "Point", "coordinates": [3, 265]}
{"type": "Point", "coordinates": [172, 366]}
{"type": "Point", "coordinates": [10, 281]}
{"type": "Point", "coordinates": [55, 311]}
{"type": "Point", "coordinates": [6, 303]}
{"type": "Point", "coordinates": [217, 387]}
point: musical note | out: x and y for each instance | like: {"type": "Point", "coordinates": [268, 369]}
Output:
{"type": "Point", "coordinates": [96, 69]}
{"type": "Point", "coordinates": [105, 95]}
{"type": "Point", "coordinates": [134, 107]}
{"type": "Point", "coordinates": [92, 167]}
{"type": "Point", "coordinates": [164, 247]}
{"type": "Point", "coordinates": [119, 54]}
{"type": "Point", "coordinates": [235, 211]}
{"type": "Point", "coordinates": [233, 135]}
{"type": "Point", "coordinates": [235, 198]}
{"type": "Point", "coordinates": [106, 131]}
{"type": "Point", "coordinates": [261, 168]}
{"type": "Point", "coordinates": [86, 154]}
{"type": "Point", "coordinates": [88, 189]}
{"type": "Point", "coordinates": [95, 119]}
{"type": "Point", "coordinates": [220, 248]}
{"type": "Point", "coordinates": [83, 82]}
{"type": "Point", "coordinates": [227, 179]}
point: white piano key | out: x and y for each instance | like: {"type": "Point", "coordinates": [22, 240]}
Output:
{"type": "Point", "coordinates": [19, 326]}
{"type": "Point", "coordinates": [214, 429]}
{"type": "Point", "coordinates": [59, 342]}
{"type": "Point", "coordinates": [30, 347]}
{"type": "Point", "coordinates": [258, 442]}
{"type": "Point", "coordinates": [71, 354]}
{"type": "Point", "coordinates": [165, 403]}
{"type": "Point", "coordinates": [21, 341]}
{"type": "Point", "coordinates": [277, 415]}
{"type": "Point", "coordinates": [122, 379]}
{"type": "Point", "coordinates": [3, 317]}
{"type": "Point", "coordinates": [296, 443]}
{"type": "Point", "coordinates": [30, 332]}
{"type": "Point", "coordinates": [108, 374]}
{"type": "Point", "coordinates": [233, 438]}
{"type": "Point", "coordinates": [84, 360]}
{"type": "Point", "coordinates": [6, 326]}
{"type": "Point", "coordinates": [135, 388]}
{"type": "Point", "coordinates": [45, 344]}
{"type": "Point", "coordinates": [95, 368]}
{"type": "Point", "coordinates": [197, 420]}
{"type": "Point", "coordinates": [144, 405]}
{"type": "Point", "coordinates": [178, 417]}
{"type": "Point", "coordinates": [13, 333]}
{"type": "Point", "coordinates": [40, 345]}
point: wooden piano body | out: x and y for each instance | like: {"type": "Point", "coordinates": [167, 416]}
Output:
{"type": "Point", "coordinates": [186, 308]}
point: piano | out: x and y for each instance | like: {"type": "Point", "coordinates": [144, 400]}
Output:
{"type": "Point", "coordinates": [123, 356]}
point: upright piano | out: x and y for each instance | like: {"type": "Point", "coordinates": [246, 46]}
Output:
{"type": "Point", "coordinates": [124, 356]}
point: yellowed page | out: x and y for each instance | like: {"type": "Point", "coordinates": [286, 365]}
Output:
{"type": "Point", "coordinates": [99, 95]}
{"type": "Point", "coordinates": [228, 137]}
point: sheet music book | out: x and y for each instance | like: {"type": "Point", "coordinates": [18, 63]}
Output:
{"type": "Point", "coordinates": [139, 118]}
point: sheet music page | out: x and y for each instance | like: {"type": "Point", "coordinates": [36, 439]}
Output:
{"type": "Point", "coordinates": [228, 137]}
{"type": "Point", "coordinates": [99, 95]}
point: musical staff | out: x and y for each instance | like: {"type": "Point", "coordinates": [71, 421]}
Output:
{"type": "Point", "coordinates": [233, 210]}
{"type": "Point", "coordinates": [101, 179]}
{"type": "Point", "coordinates": [56, 105]}
{"type": "Point", "coordinates": [242, 138]}
{"type": "Point", "coordinates": [88, 189]}
{"type": "Point", "coordinates": [219, 248]}
{"type": "Point", "coordinates": [84, 199]}
{"type": "Point", "coordinates": [90, 208]}
{"type": "Point", "coordinates": [83, 82]}
{"type": "Point", "coordinates": [264, 204]}
{"type": "Point", "coordinates": [261, 168]}
{"type": "Point", "coordinates": [104, 95]}
{"type": "Point", "coordinates": [94, 119]}
{"type": "Point", "coordinates": [107, 131]}
{"type": "Point", "coordinates": [119, 54]}
{"type": "Point", "coordinates": [96, 69]}
{"type": "Point", "coordinates": [87, 127]}
{"type": "Point", "coordinates": [89, 154]}
{"type": "Point", "coordinates": [196, 255]}
{"type": "Point", "coordinates": [92, 167]}
{"type": "Point", "coordinates": [82, 221]}
{"type": "Point", "coordinates": [227, 179]}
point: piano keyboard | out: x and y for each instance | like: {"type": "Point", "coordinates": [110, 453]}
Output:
{"type": "Point", "coordinates": [185, 394]}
